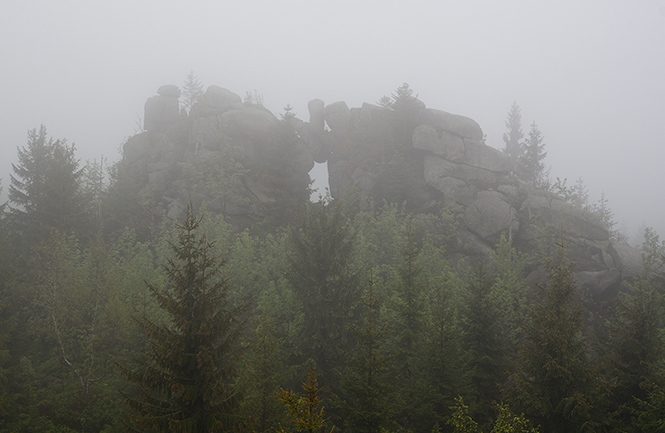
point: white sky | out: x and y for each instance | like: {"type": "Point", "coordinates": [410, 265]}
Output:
{"type": "Point", "coordinates": [590, 73]}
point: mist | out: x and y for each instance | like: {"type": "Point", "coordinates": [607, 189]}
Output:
{"type": "Point", "coordinates": [590, 74]}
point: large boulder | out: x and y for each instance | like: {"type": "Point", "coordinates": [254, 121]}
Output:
{"type": "Point", "coordinates": [442, 143]}
{"type": "Point", "coordinates": [435, 168]}
{"type": "Point", "coordinates": [560, 215]}
{"type": "Point", "coordinates": [338, 117]}
{"type": "Point", "coordinates": [489, 215]}
{"type": "Point", "coordinates": [169, 91]}
{"type": "Point", "coordinates": [375, 126]}
{"type": "Point", "coordinates": [316, 115]}
{"type": "Point", "coordinates": [627, 259]}
{"type": "Point", "coordinates": [216, 100]}
{"type": "Point", "coordinates": [459, 125]}
{"type": "Point", "coordinates": [477, 154]}
{"type": "Point", "coordinates": [160, 112]}
{"type": "Point", "coordinates": [138, 148]}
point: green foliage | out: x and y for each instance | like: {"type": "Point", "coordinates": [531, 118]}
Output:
{"type": "Point", "coordinates": [306, 411]}
{"type": "Point", "coordinates": [460, 420]}
{"type": "Point", "coordinates": [509, 289]}
{"type": "Point", "coordinates": [508, 422]}
{"type": "Point", "coordinates": [366, 382]}
{"type": "Point", "coordinates": [408, 306]}
{"type": "Point", "coordinates": [554, 383]}
{"type": "Point", "coordinates": [441, 366]}
{"type": "Point", "coordinates": [187, 382]}
{"type": "Point", "coordinates": [215, 180]}
{"type": "Point", "coordinates": [577, 194]}
{"type": "Point", "coordinates": [653, 253]}
{"type": "Point", "coordinates": [319, 271]}
{"type": "Point", "coordinates": [45, 189]}
{"type": "Point", "coordinates": [531, 164]}
{"type": "Point", "coordinates": [637, 341]}
{"type": "Point", "coordinates": [485, 344]}
{"type": "Point", "coordinates": [263, 370]}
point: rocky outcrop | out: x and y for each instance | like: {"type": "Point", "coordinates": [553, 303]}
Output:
{"type": "Point", "coordinates": [220, 129]}
{"type": "Point", "coordinates": [407, 154]}
{"type": "Point", "coordinates": [163, 110]}
{"type": "Point", "coordinates": [446, 159]}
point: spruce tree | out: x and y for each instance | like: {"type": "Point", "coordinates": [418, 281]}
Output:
{"type": "Point", "coordinates": [513, 138]}
{"type": "Point", "coordinates": [531, 164]}
{"type": "Point", "coordinates": [554, 382]}
{"type": "Point", "coordinates": [485, 344]}
{"type": "Point", "coordinates": [186, 382]}
{"type": "Point", "coordinates": [637, 339]}
{"type": "Point", "coordinates": [322, 278]}
{"type": "Point", "coordinates": [192, 91]}
{"type": "Point", "coordinates": [409, 323]}
{"type": "Point", "coordinates": [366, 383]}
{"type": "Point", "coordinates": [45, 189]}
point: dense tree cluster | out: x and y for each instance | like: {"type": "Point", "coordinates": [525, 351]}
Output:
{"type": "Point", "coordinates": [107, 324]}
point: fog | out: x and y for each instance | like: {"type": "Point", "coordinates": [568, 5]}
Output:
{"type": "Point", "coordinates": [591, 74]}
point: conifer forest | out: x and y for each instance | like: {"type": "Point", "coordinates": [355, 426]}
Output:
{"type": "Point", "coordinates": [221, 294]}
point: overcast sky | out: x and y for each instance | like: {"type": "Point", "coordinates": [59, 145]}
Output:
{"type": "Point", "coordinates": [590, 73]}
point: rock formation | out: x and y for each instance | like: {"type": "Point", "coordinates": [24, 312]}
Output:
{"type": "Point", "coordinates": [407, 154]}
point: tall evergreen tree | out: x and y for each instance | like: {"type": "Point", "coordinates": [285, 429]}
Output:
{"type": "Point", "coordinates": [186, 384]}
{"type": "Point", "coordinates": [322, 278]}
{"type": "Point", "coordinates": [409, 307]}
{"type": "Point", "coordinates": [531, 164]}
{"type": "Point", "coordinates": [513, 137]}
{"type": "Point", "coordinates": [637, 339]}
{"type": "Point", "coordinates": [442, 364]}
{"type": "Point", "coordinates": [192, 90]}
{"type": "Point", "coordinates": [366, 383]}
{"type": "Point", "coordinates": [485, 344]}
{"type": "Point", "coordinates": [45, 189]}
{"type": "Point", "coordinates": [554, 382]}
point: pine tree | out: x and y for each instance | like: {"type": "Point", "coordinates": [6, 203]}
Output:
{"type": "Point", "coordinates": [306, 411]}
{"type": "Point", "coordinates": [485, 344]}
{"type": "Point", "coordinates": [637, 339]}
{"type": "Point", "coordinates": [45, 189]}
{"type": "Point", "coordinates": [554, 383]}
{"type": "Point", "coordinates": [263, 370]}
{"type": "Point", "coordinates": [442, 366]}
{"type": "Point", "coordinates": [531, 164]}
{"type": "Point", "coordinates": [509, 288]}
{"type": "Point", "coordinates": [513, 138]}
{"type": "Point", "coordinates": [321, 276]}
{"type": "Point", "coordinates": [409, 307]}
{"type": "Point", "coordinates": [186, 384]}
{"type": "Point", "coordinates": [366, 382]}
{"type": "Point", "coordinates": [192, 91]}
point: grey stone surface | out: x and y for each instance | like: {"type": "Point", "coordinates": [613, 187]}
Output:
{"type": "Point", "coordinates": [169, 91]}
{"type": "Point", "coordinates": [489, 215]}
{"type": "Point", "coordinates": [598, 281]}
{"type": "Point", "coordinates": [477, 154]}
{"type": "Point", "coordinates": [628, 259]}
{"type": "Point", "coordinates": [459, 125]}
{"type": "Point", "coordinates": [442, 143]}
{"type": "Point", "coordinates": [160, 112]}
{"type": "Point", "coordinates": [435, 167]}
{"type": "Point", "coordinates": [216, 100]}
{"type": "Point", "coordinates": [316, 115]}
{"type": "Point", "coordinates": [338, 117]}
